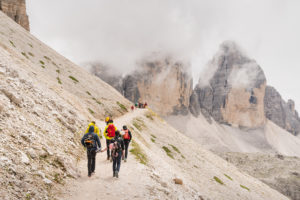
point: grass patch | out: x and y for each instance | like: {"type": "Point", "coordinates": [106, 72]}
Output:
{"type": "Point", "coordinates": [88, 93]}
{"type": "Point", "coordinates": [12, 43]}
{"type": "Point", "coordinates": [149, 115]}
{"type": "Point", "coordinates": [24, 54]}
{"type": "Point", "coordinates": [54, 63]}
{"type": "Point", "coordinates": [58, 71]}
{"type": "Point", "coordinates": [43, 66]}
{"type": "Point", "coordinates": [244, 187]}
{"type": "Point", "coordinates": [31, 54]}
{"type": "Point", "coordinates": [175, 148]}
{"type": "Point", "coordinates": [218, 180]}
{"type": "Point", "coordinates": [74, 79]}
{"type": "Point", "coordinates": [58, 80]}
{"type": "Point", "coordinates": [138, 153]}
{"type": "Point", "coordinates": [182, 156]}
{"type": "Point", "coordinates": [153, 140]}
{"type": "Point", "coordinates": [138, 123]}
{"type": "Point", "coordinates": [47, 58]}
{"type": "Point", "coordinates": [97, 101]}
{"type": "Point", "coordinates": [58, 178]}
{"type": "Point", "coordinates": [91, 111]}
{"type": "Point", "coordinates": [153, 136]}
{"type": "Point", "coordinates": [228, 177]}
{"type": "Point", "coordinates": [30, 45]}
{"type": "Point", "coordinates": [122, 106]}
{"type": "Point", "coordinates": [42, 62]}
{"type": "Point", "coordinates": [168, 152]}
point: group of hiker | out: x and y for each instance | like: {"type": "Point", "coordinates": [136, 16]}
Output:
{"type": "Point", "coordinates": [117, 143]}
{"type": "Point", "coordinates": [141, 105]}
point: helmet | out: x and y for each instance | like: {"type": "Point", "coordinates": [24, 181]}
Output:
{"type": "Point", "coordinates": [106, 119]}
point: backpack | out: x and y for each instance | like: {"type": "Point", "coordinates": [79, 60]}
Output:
{"type": "Point", "coordinates": [117, 148]}
{"type": "Point", "coordinates": [111, 130]}
{"type": "Point", "coordinates": [89, 141]}
{"type": "Point", "coordinates": [126, 135]}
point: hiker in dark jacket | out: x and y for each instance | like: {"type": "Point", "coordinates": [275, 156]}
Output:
{"type": "Point", "coordinates": [127, 138]}
{"type": "Point", "coordinates": [117, 151]}
{"type": "Point", "coordinates": [91, 141]}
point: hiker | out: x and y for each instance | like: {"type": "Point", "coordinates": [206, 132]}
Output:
{"type": "Point", "coordinates": [96, 129]}
{"type": "Point", "coordinates": [109, 134]}
{"type": "Point", "coordinates": [127, 138]}
{"type": "Point", "coordinates": [136, 104]}
{"type": "Point", "coordinates": [145, 105]}
{"type": "Point", "coordinates": [117, 151]}
{"type": "Point", "coordinates": [91, 141]}
{"type": "Point", "coordinates": [132, 108]}
{"type": "Point", "coordinates": [107, 120]}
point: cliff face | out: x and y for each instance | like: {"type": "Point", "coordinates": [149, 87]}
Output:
{"type": "Point", "coordinates": [280, 112]}
{"type": "Point", "coordinates": [16, 10]}
{"type": "Point", "coordinates": [234, 94]}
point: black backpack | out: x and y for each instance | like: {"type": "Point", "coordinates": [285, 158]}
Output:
{"type": "Point", "coordinates": [89, 141]}
{"type": "Point", "coordinates": [117, 147]}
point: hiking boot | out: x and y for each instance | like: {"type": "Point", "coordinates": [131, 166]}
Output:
{"type": "Point", "coordinates": [89, 175]}
{"type": "Point", "coordinates": [117, 174]}
{"type": "Point", "coordinates": [122, 158]}
{"type": "Point", "coordinates": [111, 159]}
{"type": "Point", "coordinates": [114, 174]}
{"type": "Point", "coordinates": [125, 160]}
{"type": "Point", "coordinates": [107, 158]}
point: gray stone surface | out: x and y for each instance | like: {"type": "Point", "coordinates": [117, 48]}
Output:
{"type": "Point", "coordinates": [280, 112]}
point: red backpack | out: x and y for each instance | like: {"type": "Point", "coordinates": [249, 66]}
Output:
{"type": "Point", "coordinates": [126, 135]}
{"type": "Point", "coordinates": [111, 130]}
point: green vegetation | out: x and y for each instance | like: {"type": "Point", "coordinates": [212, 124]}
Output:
{"type": "Point", "coordinates": [244, 187]}
{"type": "Point", "coordinates": [43, 66]}
{"type": "Point", "coordinates": [138, 123]}
{"type": "Point", "coordinates": [91, 111]}
{"type": "Point", "coordinates": [122, 106]}
{"type": "Point", "coordinates": [30, 45]}
{"type": "Point", "coordinates": [153, 140]}
{"type": "Point", "coordinates": [31, 54]}
{"type": "Point", "coordinates": [150, 115]}
{"type": "Point", "coordinates": [54, 63]}
{"type": "Point", "coordinates": [12, 43]}
{"type": "Point", "coordinates": [28, 196]}
{"type": "Point", "coordinates": [88, 93]}
{"type": "Point", "coordinates": [58, 178]}
{"type": "Point", "coordinates": [58, 71]}
{"type": "Point", "coordinates": [218, 180]}
{"type": "Point", "coordinates": [153, 136]}
{"type": "Point", "coordinates": [97, 101]}
{"type": "Point", "coordinates": [182, 156]}
{"type": "Point", "coordinates": [58, 80]}
{"type": "Point", "coordinates": [168, 152]}
{"type": "Point", "coordinates": [228, 177]}
{"type": "Point", "coordinates": [42, 62]}
{"type": "Point", "coordinates": [138, 153]}
{"type": "Point", "coordinates": [175, 148]}
{"type": "Point", "coordinates": [47, 58]}
{"type": "Point", "coordinates": [24, 54]}
{"type": "Point", "coordinates": [74, 79]}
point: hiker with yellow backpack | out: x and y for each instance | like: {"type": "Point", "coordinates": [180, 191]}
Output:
{"type": "Point", "coordinates": [109, 133]}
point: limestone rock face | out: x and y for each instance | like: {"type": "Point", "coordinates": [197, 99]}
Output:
{"type": "Point", "coordinates": [16, 10]}
{"type": "Point", "coordinates": [280, 112]}
{"type": "Point", "coordinates": [164, 84]}
{"type": "Point", "coordinates": [234, 90]}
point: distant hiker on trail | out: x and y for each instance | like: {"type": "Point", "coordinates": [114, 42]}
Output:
{"type": "Point", "coordinates": [132, 108]}
{"type": "Point", "coordinates": [145, 105]}
{"type": "Point", "coordinates": [109, 133]}
{"type": "Point", "coordinates": [127, 138]}
{"type": "Point", "coordinates": [91, 141]}
{"type": "Point", "coordinates": [136, 104]}
{"type": "Point", "coordinates": [96, 129]}
{"type": "Point", "coordinates": [117, 151]}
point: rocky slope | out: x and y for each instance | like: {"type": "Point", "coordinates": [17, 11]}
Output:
{"type": "Point", "coordinates": [16, 10]}
{"type": "Point", "coordinates": [45, 103]}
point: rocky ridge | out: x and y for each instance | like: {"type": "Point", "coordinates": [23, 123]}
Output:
{"type": "Point", "coordinates": [16, 10]}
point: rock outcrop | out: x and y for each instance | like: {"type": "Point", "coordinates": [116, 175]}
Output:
{"type": "Point", "coordinates": [280, 112]}
{"type": "Point", "coordinates": [16, 10]}
{"type": "Point", "coordinates": [165, 84]}
{"type": "Point", "coordinates": [234, 92]}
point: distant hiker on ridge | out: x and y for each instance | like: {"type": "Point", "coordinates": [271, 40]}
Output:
{"type": "Point", "coordinates": [109, 133]}
{"type": "Point", "coordinates": [91, 141]}
{"type": "Point", "coordinates": [117, 151]}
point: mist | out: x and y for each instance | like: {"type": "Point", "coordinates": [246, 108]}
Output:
{"type": "Point", "coordinates": [119, 33]}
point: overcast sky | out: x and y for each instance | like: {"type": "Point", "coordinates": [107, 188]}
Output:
{"type": "Point", "coordinates": [119, 32]}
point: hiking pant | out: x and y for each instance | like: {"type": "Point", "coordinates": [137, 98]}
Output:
{"type": "Point", "coordinates": [91, 154]}
{"type": "Point", "coordinates": [117, 162]}
{"type": "Point", "coordinates": [107, 146]}
{"type": "Point", "coordinates": [126, 143]}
